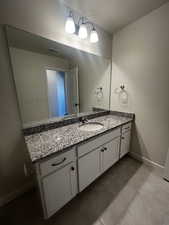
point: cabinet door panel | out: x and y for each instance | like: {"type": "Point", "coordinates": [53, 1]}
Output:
{"type": "Point", "coordinates": [59, 188]}
{"type": "Point", "coordinates": [125, 144]}
{"type": "Point", "coordinates": [89, 168]}
{"type": "Point", "coordinates": [110, 154]}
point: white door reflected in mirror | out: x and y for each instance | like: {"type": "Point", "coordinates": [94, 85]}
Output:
{"type": "Point", "coordinates": [62, 92]}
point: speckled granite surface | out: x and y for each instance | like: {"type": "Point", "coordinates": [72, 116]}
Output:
{"type": "Point", "coordinates": [45, 125]}
{"type": "Point", "coordinates": [46, 143]}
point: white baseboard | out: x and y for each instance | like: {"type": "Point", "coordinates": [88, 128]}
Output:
{"type": "Point", "coordinates": [148, 162]}
{"type": "Point", "coordinates": [13, 195]}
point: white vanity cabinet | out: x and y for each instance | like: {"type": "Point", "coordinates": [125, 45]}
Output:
{"type": "Point", "coordinates": [57, 179]}
{"type": "Point", "coordinates": [61, 177]}
{"type": "Point", "coordinates": [89, 168]}
{"type": "Point", "coordinates": [93, 162]}
{"type": "Point", "coordinates": [125, 139]}
{"type": "Point", "coordinates": [110, 154]}
{"type": "Point", "coordinates": [59, 188]}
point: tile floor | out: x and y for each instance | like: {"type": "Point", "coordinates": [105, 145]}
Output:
{"type": "Point", "coordinates": [128, 194]}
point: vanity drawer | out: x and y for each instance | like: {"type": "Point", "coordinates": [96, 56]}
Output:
{"type": "Point", "coordinates": [56, 162]}
{"type": "Point", "coordinates": [126, 127]}
{"type": "Point", "coordinates": [97, 142]}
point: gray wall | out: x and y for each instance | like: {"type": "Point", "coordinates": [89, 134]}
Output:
{"type": "Point", "coordinates": [45, 18]}
{"type": "Point", "coordinates": [141, 62]}
{"type": "Point", "coordinates": [12, 147]}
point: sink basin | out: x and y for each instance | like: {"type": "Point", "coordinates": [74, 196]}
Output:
{"type": "Point", "coordinates": [91, 126]}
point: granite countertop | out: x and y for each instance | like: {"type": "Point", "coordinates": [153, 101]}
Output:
{"type": "Point", "coordinates": [46, 143]}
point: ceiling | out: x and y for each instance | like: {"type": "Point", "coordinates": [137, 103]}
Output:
{"type": "Point", "coordinates": [112, 15]}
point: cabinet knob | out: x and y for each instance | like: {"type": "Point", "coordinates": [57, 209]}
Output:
{"type": "Point", "coordinates": [102, 150]}
{"type": "Point", "coordinates": [122, 138]}
{"type": "Point", "coordinates": [72, 168]}
{"type": "Point", "coordinates": [105, 149]}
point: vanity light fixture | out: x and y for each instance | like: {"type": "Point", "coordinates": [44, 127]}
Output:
{"type": "Point", "coordinates": [81, 29]}
{"type": "Point", "coordinates": [70, 24]}
{"type": "Point", "coordinates": [93, 36]}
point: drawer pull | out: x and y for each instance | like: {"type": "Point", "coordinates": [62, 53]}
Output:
{"type": "Point", "coordinates": [102, 150]}
{"type": "Point", "coordinates": [105, 149]}
{"type": "Point", "coordinates": [122, 138]}
{"type": "Point", "coordinates": [56, 164]}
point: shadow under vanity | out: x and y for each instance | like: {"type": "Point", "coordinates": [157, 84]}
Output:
{"type": "Point", "coordinates": [63, 95]}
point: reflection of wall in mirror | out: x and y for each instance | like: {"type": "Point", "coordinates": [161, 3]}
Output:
{"type": "Point", "coordinates": [81, 82]}
{"type": "Point", "coordinates": [30, 78]}
{"type": "Point", "coordinates": [94, 72]}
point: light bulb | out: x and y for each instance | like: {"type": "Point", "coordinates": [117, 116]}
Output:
{"type": "Point", "coordinates": [94, 36]}
{"type": "Point", "coordinates": [82, 31]}
{"type": "Point", "coordinates": [70, 25]}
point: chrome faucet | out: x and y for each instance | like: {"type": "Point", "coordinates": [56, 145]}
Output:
{"type": "Point", "coordinates": [83, 120]}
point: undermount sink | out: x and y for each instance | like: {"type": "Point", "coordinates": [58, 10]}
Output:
{"type": "Point", "coordinates": [91, 126]}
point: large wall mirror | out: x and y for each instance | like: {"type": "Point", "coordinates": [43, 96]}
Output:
{"type": "Point", "coordinates": [53, 80]}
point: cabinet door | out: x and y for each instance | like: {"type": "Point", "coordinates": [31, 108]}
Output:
{"type": "Point", "coordinates": [125, 144]}
{"type": "Point", "coordinates": [110, 154]}
{"type": "Point", "coordinates": [59, 188]}
{"type": "Point", "coordinates": [89, 168]}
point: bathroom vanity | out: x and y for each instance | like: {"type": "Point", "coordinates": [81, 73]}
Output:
{"type": "Point", "coordinates": [68, 159]}
{"type": "Point", "coordinates": [55, 86]}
